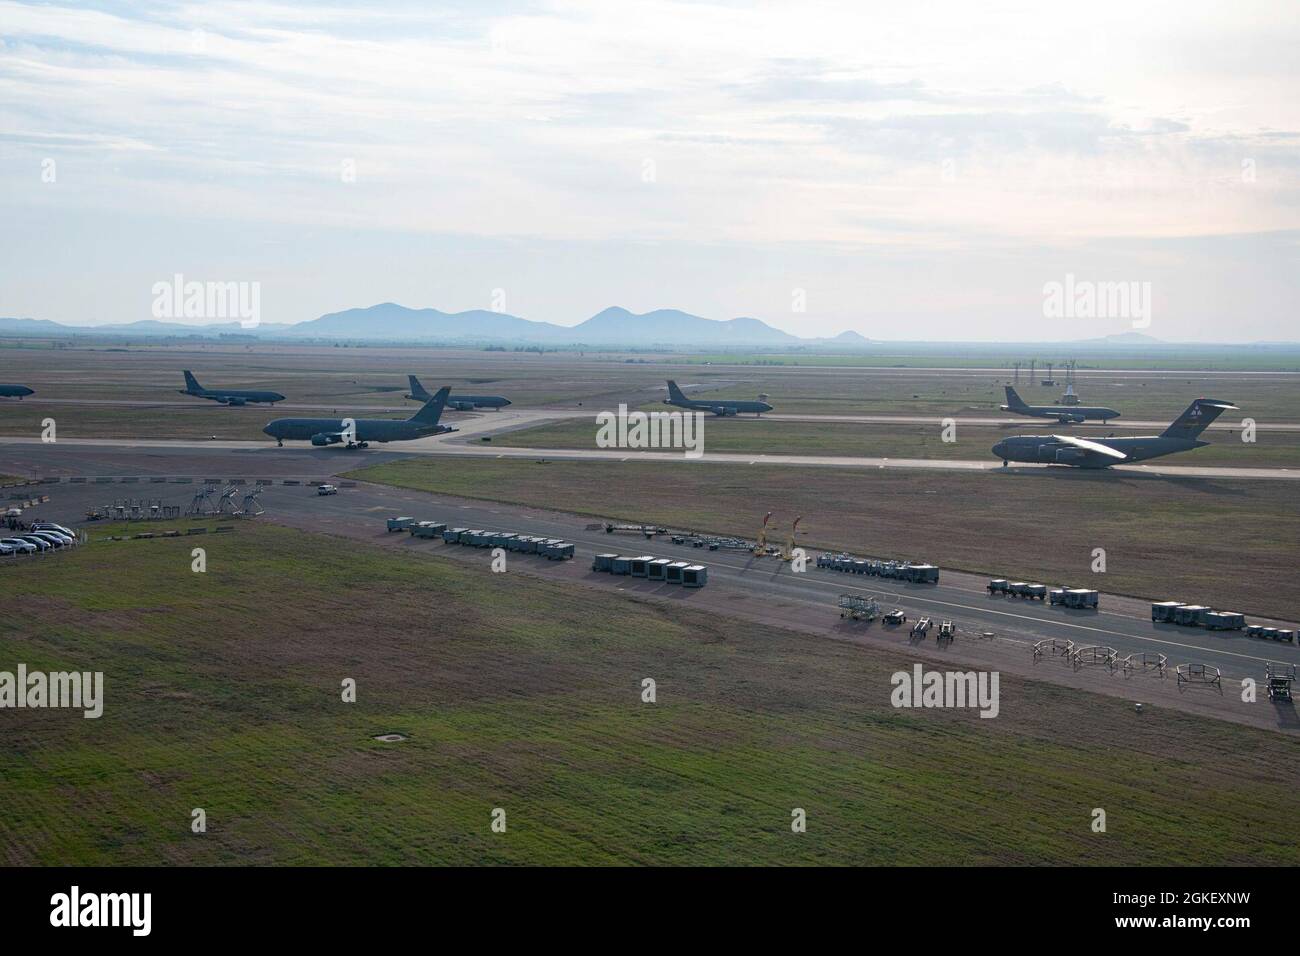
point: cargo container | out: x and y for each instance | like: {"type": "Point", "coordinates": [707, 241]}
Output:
{"type": "Point", "coordinates": [400, 524]}
{"type": "Point", "coordinates": [1284, 634]}
{"type": "Point", "coordinates": [1224, 621]}
{"type": "Point", "coordinates": [1082, 598]}
{"type": "Point", "coordinates": [921, 573]}
{"type": "Point", "coordinates": [998, 586]}
{"type": "Point", "coordinates": [452, 535]}
{"type": "Point", "coordinates": [657, 570]}
{"type": "Point", "coordinates": [673, 573]}
{"type": "Point", "coordinates": [427, 529]}
{"type": "Point", "coordinates": [502, 539]}
{"type": "Point", "coordinates": [621, 564]}
{"type": "Point", "coordinates": [1056, 596]}
{"type": "Point", "coordinates": [1191, 615]}
{"type": "Point", "coordinates": [558, 551]}
{"type": "Point", "coordinates": [695, 576]}
{"type": "Point", "coordinates": [640, 564]}
{"type": "Point", "coordinates": [603, 562]}
{"type": "Point", "coordinates": [1163, 611]}
{"type": "Point", "coordinates": [1037, 592]}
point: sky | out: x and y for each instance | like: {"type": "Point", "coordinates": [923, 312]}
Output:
{"type": "Point", "coordinates": [910, 171]}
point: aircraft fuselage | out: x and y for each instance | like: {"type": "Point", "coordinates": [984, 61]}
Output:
{"type": "Point", "coordinates": [1046, 449]}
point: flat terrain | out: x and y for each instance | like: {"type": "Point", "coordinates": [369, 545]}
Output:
{"type": "Point", "coordinates": [524, 694]}
{"type": "Point", "coordinates": [766, 436]}
{"type": "Point", "coordinates": [73, 381]}
{"type": "Point", "coordinates": [1224, 543]}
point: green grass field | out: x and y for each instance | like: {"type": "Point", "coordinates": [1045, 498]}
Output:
{"type": "Point", "coordinates": [1229, 544]}
{"type": "Point", "coordinates": [525, 695]}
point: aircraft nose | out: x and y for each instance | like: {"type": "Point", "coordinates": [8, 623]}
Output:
{"type": "Point", "coordinates": [1000, 449]}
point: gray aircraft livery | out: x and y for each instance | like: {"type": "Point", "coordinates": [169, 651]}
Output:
{"type": "Point", "coordinates": [227, 396]}
{"type": "Point", "coordinates": [15, 391]}
{"type": "Point", "coordinates": [719, 406]}
{"type": "Point", "coordinates": [1065, 414]}
{"type": "Point", "coordinates": [359, 432]}
{"type": "Point", "coordinates": [1104, 452]}
{"type": "Point", "coordinates": [461, 403]}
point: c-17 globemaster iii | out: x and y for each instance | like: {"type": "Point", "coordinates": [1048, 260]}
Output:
{"type": "Point", "coordinates": [1181, 435]}
{"type": "Point", "coordinates": [360, 432]}
{"type": "Point", "coordinates": [1065, 414]}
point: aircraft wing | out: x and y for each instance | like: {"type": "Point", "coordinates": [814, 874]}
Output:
{"type": "Point", "coordinates": [1098, 447]}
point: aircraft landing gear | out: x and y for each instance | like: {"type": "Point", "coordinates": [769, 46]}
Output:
{"type": "Point", "coordinates": [1004, 463]}
{"type": "Point", "coordinates": [279, 443]}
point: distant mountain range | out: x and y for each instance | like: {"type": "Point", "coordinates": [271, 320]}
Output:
{"type": "Point", "coordinates": [612, 328]}
{"type": "Point", "coordinates": [388, 321]}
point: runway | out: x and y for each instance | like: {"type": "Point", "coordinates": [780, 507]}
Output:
{"type": "Point", "coordinates": [1030, 424]}
{"type": "Point", "coordinates": [455, 445]}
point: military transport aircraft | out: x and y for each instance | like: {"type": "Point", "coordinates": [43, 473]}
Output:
{"type": "Point", "coordinates": [360, 432]}
{"type": "Point", "coordinates": [1065, 414]}
{"type": "Point", "coordinates": [1104, 452]}
{"type": "Point", "coordinates": [719, 406]}
{"type": "Point", "coordinates": [227, 396]}
{"type": "Point", "coordinates": [15, 391]}
{"type": "Point", "coordinates": [460, 403]}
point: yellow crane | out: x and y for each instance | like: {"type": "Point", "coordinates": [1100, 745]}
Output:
{"type": "Point", "coordinates": [761, 547]}
{"type": "Point", "coordinates": [788, 555]}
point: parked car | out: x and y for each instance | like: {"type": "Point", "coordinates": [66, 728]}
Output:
{"type": "Point", "coordinates": [19, 545]}
{"type": "Point", "coordinates": [51, 526]}
{"type": "Point", "coordinates": [40, 543]}
{"type": "Point", "coordinates": [327, 490]}
{"type": "Point", "coordinates": [58, 537]}
{"type": "Point", "coordinates": [7, 550]}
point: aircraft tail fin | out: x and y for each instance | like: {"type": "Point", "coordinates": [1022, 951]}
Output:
{"type": "Point", "coordinates": [417, 390]}
{"type": "Point", "coordinates": [191, 382]}
{"type": "Point", "coordinates": [1013, 398]}
{"type": "Point", "coordinates": [1196, 418]}
{"type": "Point", "coordinates": [675, 393]}
{"type": "Point", "coordinates": [432, 410]}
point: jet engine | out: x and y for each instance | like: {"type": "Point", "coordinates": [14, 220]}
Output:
{"type": "Point", "coordinates": [463, 406]}
{"type": "Point", "coordinates": [724, 410]}
{"type": "Point", "coordinates": [323, 439]}
{"type": "Point", "coordinates": [1068, 419]}
{"type": "Point", "coordinates": [235, 401]}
